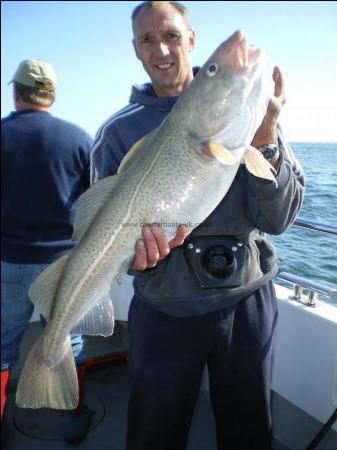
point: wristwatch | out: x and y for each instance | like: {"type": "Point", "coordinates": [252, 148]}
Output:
{"type": "Point", "coordinates": [269, 151]}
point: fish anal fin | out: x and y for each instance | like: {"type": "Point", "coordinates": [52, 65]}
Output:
{"type": "Point", "coordinates": [42, 290]}
{"type": "Point", "coordinates": [258, 165]}
{"type": "Point", "coordinates": [219, 152]}
{"type": "Point", "coordinates": [90, 202]}
{"type": "Point", "coordinates": [41, 386]}
{"type": "Point", "coordinates": [99, 320]}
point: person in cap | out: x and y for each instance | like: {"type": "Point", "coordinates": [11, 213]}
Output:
{"type": "Point", "coordinates": [45, 168]}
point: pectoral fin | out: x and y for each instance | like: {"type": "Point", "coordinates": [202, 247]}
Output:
{"type": "Point", "coordinates": [258, 165]}
{"type": "Point", "coordinates": [219, 152]}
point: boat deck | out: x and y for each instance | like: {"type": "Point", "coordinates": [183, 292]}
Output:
{"type": "Point", "coordinates": [107, 394]}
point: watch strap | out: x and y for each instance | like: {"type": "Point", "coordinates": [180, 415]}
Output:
{"type": "Point", "coordinates": [269, 151]}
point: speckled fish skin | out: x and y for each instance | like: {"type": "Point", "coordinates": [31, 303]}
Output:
{"type": "Point", "coordinates": [169, 180]}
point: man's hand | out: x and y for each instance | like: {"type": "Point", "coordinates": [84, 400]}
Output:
{"type": "Point", "coordinates": [154, 246]}
{"type": "Point", "coordinates": [267, 132]}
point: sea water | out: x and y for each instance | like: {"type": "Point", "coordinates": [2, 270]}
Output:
{"type": "Point", "coordinates": [308, 253]}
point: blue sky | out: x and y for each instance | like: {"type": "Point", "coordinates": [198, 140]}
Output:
{"type": "Point", "coordinates": [89, 45]}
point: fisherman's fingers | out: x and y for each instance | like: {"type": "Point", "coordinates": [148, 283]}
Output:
{"type": "Point", "coordinates": [154, 246]}
{"type": "Point", "coordinates": [151, 245]}
{"type": "Point", "coordinates": [163, 246]}
{"type": "Point", "coordinates": [157, 245]}
{"type": "Point", "coordinates": [279, 88]}
{"type": "Point", "coordinates": [140, 260]}
{"type": "Point", "coordinates": [279, 98]}
{"type": "Point", "coordinates": [179, 238]}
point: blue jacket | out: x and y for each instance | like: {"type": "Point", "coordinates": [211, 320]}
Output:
{"type": "Point", "coordinates": [251, 208]}
{"type": "Point", "coordinates": [45, 167]}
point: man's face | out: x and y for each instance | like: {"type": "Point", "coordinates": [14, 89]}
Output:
{"type": "Point", "coordinates": [163, 43]}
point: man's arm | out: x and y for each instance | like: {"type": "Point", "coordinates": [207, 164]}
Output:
{"type": "Point", "coordinates": [267, 133]}
{"type": "Point", "coordinates": [273, 208]}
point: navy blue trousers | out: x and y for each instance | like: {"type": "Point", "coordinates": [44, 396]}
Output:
{"type": "Point", "coordinates": [167, 359]}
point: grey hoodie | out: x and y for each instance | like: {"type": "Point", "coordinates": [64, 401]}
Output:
{"type": "Point", "coordinates": [251, 209]}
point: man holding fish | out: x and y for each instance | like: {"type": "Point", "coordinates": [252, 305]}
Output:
{"type": "Point", "coordinates": [185, 150]}
{"type": "Point", "coordinates": [178, 322]}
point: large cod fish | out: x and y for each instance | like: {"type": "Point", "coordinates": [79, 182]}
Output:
{"type": "Point", "coordinates": [178, 173]}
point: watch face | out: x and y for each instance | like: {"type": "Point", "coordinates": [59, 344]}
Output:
{"type": "Point", "coordinates": [270, 152]}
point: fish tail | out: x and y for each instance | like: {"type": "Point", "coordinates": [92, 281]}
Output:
{"type": "Point", "coordinates": [42, 386]}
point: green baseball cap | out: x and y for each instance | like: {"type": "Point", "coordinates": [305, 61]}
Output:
{"type": "Point", "coordinates": [35, 73]}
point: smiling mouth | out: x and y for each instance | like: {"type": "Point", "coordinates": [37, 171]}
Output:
{"type": "Point", "coordinates": [164, 66]}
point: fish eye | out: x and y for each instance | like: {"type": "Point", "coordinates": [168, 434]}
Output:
{"type": "Point", "coordinates": [212, 69]}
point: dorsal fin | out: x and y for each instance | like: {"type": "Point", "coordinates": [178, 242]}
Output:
{"type": "Point", "coordinates": [133, 152]}
{"type": "Point", "coordinates": [90, 202]}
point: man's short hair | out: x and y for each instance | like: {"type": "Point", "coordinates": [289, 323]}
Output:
{"type": "Point", "coordinates": [33, 95]}
{"type": "Point", "coordinates": [147, 4]}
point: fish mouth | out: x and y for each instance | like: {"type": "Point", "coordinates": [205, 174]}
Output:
{"type": "Point", "coordinates": [247, 55]}
{"type": "Point", "coordinates": [240, 60]}
{"type": "Point", "coordinates": [240, 56]}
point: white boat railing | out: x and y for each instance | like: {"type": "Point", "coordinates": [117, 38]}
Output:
{"type": "Point", "coordinates": [301, 283]}
{"type": "Point", "coordinates": [315, 226]}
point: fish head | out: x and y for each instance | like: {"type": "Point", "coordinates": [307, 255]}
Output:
{"type": "Point", "coordinates": [227, 94]}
